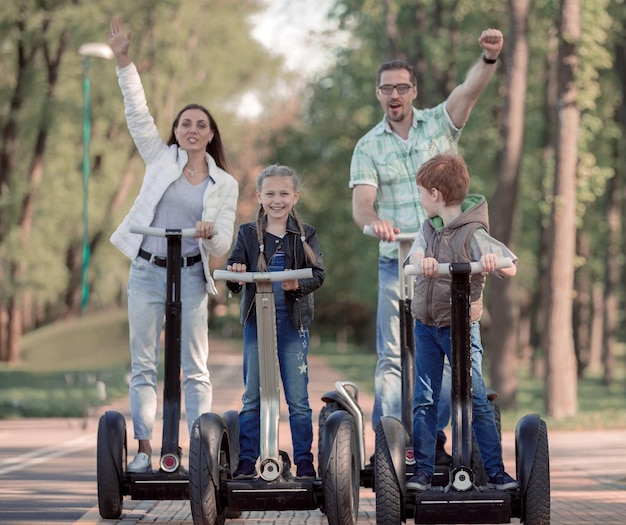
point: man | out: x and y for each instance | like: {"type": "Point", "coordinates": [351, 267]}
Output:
{"type": "Point", "coordinates": [382, 177]}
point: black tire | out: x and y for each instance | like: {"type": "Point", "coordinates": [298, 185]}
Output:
{"type": "Point", "coordinates": [536, 504]}
{"type": "Point", "coordinates": [327, 410]}
{"type": "Point", "coordinates": [111, 458]}
{"type": "Point", "coordinates": [341, 479]}
{"type": "Point", "coordinates": [203, 489]}
{"type": "Point", "coordinates": [231, 419]}
{"type": "Point", "coordinates": [388, 496]}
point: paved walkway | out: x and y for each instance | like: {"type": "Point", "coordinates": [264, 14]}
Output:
{"type": "Point", "coordinates": [588, 468]}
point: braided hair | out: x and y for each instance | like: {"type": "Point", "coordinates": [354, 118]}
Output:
{"type": "Point", "coordinates": [276, 170]}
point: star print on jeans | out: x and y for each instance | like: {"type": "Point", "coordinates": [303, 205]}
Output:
{"type": "Point", "coordinates": [303, 368]}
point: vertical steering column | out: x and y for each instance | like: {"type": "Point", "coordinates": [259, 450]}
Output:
{"type": "Point", "coordinates": [461, 365]}
{"type": "Point", "coordinates": [271, 464]}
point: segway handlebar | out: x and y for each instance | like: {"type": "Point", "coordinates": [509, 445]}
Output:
{"type": "Point", "coordinates": [445, 268]}
{"type": "Point", "coordinates": [162, 232]}
{"type": "Point", "coordinates": [251, 277]}
{"type": "Point", "coordinates": [400, 237]}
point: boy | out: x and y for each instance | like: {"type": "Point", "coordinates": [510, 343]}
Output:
{"type": "Point", "coordinates": [456, 231]}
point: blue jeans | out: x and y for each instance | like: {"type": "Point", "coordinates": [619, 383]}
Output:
{"type": "Point", "coordinates": [387, 379]}
{"type": "Point", "coordinates": [293, 349]}
{"type": "Point", "coordinates": [432, 345]}
{"type": "Point", "coordinates": [147, 296]}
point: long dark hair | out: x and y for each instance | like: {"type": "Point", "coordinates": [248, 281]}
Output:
{"type": "Point", "coordinates": [215, 148]}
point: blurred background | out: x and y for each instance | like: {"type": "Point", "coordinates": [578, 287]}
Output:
{"type": "Point", "coordinates": [293, 82]}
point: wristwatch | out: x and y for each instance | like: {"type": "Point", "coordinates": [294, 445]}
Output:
{"type": "Point", "coordinates": [488, 60]}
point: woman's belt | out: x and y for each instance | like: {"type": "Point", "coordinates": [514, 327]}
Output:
{"type": "Point", "coordinates": [162, 261]}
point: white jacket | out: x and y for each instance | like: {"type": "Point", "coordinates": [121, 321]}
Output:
{"type": "Point", "coordinates": [164, 164]}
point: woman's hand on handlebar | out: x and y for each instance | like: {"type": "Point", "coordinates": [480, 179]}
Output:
{"type": "Point", "coordinates": [204, 230]}
{"type": "Point", "coordinates": [384, 230]}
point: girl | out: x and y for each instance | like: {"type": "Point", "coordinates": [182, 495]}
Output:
{"type": "Point", "coordinates": [277, 241]}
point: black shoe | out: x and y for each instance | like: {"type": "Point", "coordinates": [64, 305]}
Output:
{"type": "Point", "coordinates": [420, 481]}
{"type": "Point", "coordinates": [305, 470]}
{"type": "Point", "coordinates": [441, 456]}
{"type": "Point", "coordinates": [502, 481]}
{"type": "Point", "coordinates": [245, 470]}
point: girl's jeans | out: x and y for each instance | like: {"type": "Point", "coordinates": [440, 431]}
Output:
{"type": "Point", "coordinates": [147, 296]}
{"type": "Point", "coordinates": [293, 349]}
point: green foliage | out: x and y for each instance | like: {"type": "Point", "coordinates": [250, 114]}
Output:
{"type": "Point", "coordinates": [200, 51]}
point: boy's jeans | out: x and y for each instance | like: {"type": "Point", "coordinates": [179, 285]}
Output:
{"type": "Point", "coordinates": [432, 344]}
{"type": "Point", "coordinates": [387, 379]}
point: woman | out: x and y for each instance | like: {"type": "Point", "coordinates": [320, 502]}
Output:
{"type": "Point", "coordinates": [185, 185]}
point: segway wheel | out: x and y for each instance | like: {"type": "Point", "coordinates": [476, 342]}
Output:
{"type": "Point", "coordinates": [203, 489]}
{"type": "Point", "coordinates": [388, 495]}
{"type": "Point", "coordinates": [536, 505]}
{"type": "Point", "coordinates": [341, 479]}
{"type": "Point", "coordinates": [329, 408]}
{"type": "Point", "coordinates": [110, 460]}
{"type": "Point", "coordinates": [231, 419]}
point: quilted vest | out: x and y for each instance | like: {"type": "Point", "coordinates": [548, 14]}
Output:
{"type": "Point", "coordinates": [451, 243]}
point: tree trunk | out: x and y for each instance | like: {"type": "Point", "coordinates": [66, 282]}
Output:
{"type": "Point", "coordinates": [582, 314]}
{"type": "Point", "coordinates": [503, 335]}
{"type": "Point", "coordinates": [611, 280]}
{"type": "Point", "coordinates": [561, 379]}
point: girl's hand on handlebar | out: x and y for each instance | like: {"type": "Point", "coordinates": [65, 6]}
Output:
{"type": "Point", "coordinates": [239, 268]}
{"type": "Point", "coordinates": [291, 285]}
{"type": "Point", "coordinates": [204, 230]}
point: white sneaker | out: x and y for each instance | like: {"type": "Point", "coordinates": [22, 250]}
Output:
{"type": "Point", "coordinates": [141, 463]}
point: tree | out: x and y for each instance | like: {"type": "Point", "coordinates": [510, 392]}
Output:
{"type": "Point", "coordinates": [40, 204]}
{"type": "Point", "coordinates": [503, 341]}
{"type": "Point", "coordinates": [561, 379]}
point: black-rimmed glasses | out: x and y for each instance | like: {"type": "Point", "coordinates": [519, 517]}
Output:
{"type": "Point", "coordinates": [387, 89]}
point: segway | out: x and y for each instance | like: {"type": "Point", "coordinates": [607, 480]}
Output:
{"type": "Point", "coordinates": [213, 456]}
{"type": "Point", "coordinates": [345, 395]}
{"type": "Point", "coordinates": [170, 481]}
{"type": "Point", "coordinates": [463, 500]}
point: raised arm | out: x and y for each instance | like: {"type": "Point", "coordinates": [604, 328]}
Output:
{"type": "Point", "coordinates": [462, 99]}
{"type": "Point", "coordinates": [119, 40]}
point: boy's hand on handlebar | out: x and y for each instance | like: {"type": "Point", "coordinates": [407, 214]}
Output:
{"type": "Point", "coordinates": [488, 261]}
{"type": "Point", "coordinates": [384, 230]}
{"type": "Point", "coordinates": [430, 267]}
{"type": "Point", "coordinates": [204, 230]}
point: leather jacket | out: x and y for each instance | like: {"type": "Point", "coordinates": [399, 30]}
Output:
{"type": "Point", "coordinates": [246, 251]}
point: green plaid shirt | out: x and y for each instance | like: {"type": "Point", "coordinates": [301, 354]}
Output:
{"type": "Point", "coordinates": [382, 159]}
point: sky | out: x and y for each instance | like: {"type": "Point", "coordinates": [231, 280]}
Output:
{"type": "Point", "coordinates": [293, 28]}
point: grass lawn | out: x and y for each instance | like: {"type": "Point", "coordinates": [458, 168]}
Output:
{"type": "Point", "coordinates": [599, 406]}
{"type": "Point", "coordinates": [67, 368]}
{"type": "Point", "coordinates": [64, 367]}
